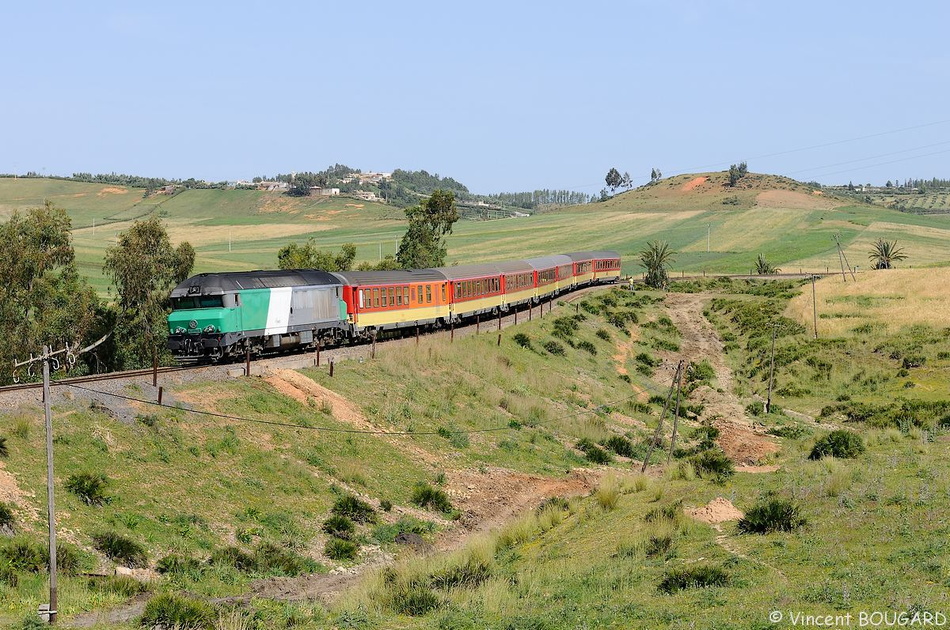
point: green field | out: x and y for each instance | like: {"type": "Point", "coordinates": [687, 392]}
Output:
{"type": "Point", "coordinates": [238, 229]}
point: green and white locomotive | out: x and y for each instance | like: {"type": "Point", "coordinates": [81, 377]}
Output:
{"type": "Point", "coordinates": [219, 315]}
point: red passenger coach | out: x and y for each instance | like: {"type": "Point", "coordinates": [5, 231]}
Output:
{"type": "Point", "coordinates": [598, 266]}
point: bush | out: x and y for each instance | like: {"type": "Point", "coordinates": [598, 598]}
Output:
{"type": "Point", "coordinates": [169, 610]}
{"type": "Point", "coordinates": [620, 445]}
{"type": "Point", "coordinates": [701, 372]}
{"type": "Point", "coordinates": [339, 527]}
{"type": "Point", "coordinates": [702, 576]}
{"type": "Point", "coordinates": [89, 487]}
{"type": "Point", "coordinates": [6, 516]}
{"type": "Point", "coordinates": [178, 565]}
{"type": "Point", "coordinates": [355, 509]}
{"type": "Point", "coordinates": [120, 549]}
{"type": "Point", "coordinates": [414, 600]}
{"type": "Point", "coordinates": [772, 515]}
{"type": "Point", "coordinates": [4, 451]}
{"type": "Point", "coordinates": [234, 557]}
{"type": "Point", "coordinates": [522, 340]}
{"type": "Point", "coordinates": [713, 464]}
{"type": "Point", "coordinates": [386, 505]}
{"type": "Point", "coordinates": [425, 496]}
{"type": "Point", "coordinates": [790, 431]}
{"type": "Point", "coordinates": [594, 453]}
{"type": "Point", "coordinates": [658, 546]}
{"type": "Point", "coordinates": [587, 346]}
{"type": "Point", "coordinates": [554, 348]}
{"type": "Point", "coordinates": [603, 333]}
{"type": "Point", "coordinates": [22, 555]}
{"type": "Point", "coordinates": [755, 409]}
{"type": "Point", "coordinates": [279, 561]}
{"type": "Point", "coordinates": [339, 549]}
{"type": "Point", "coordinates": [840, 443]}
{"type": "Point", "coordinates": [388, 533]}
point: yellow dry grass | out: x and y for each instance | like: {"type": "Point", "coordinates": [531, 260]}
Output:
{"type": "Point", "coordinates": [793, 200]}
{"type": "Point", "coordinates": [199, 236]}
{"type": "Point", "coordinates": [894, 299]}
{"type": "Point", "coordinates": [745, 231]}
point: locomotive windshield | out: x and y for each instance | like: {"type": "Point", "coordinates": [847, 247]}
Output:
{"type": "Point", "coordinates": [203, 301]}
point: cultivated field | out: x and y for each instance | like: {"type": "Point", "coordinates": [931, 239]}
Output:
{"type": "Point", "coordinates": [232, 230]}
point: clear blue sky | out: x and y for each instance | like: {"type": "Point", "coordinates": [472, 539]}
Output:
{"type": "Point", "coordinates": [503, 96]}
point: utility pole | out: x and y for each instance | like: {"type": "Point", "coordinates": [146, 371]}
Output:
{"type": "Point", "coordinates": [50, 357]}
{"type": "Point", "coordinates": [659, 427]}
{"type": "Point", "coordinates": [708, 229]}
{"type": "Point", "coordinates": [768, 400]}
{"type": "Point", "coordinates": [814, 303]}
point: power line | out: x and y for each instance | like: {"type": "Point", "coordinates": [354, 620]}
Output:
{"type": "Point", "coordinates": [324, 429]}
{"type": "Point", "coordinates": [860, 168]}
{"type": "Point", "coordinates": [873, 157]}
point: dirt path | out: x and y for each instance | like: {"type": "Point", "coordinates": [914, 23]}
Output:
{"type": "Point", "coordinates": [741, 441]}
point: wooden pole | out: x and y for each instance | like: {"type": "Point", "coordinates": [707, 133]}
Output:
{"type": "Point", "coordinates": [478, 324]}
{"type": "Point", "coordinates": [516, 316]}
{"type": "Point", "coordinates": [373, 351]}
{"type": "Point", "coordinates": [51, 506]}
{"type": "Point", "coordinates": [154, 367]}
{"type": "Point", "coordinates": [814, 303]}
{"type": "Point", "coordinates": [768, 400]}
{"type": "Point", "coordinates": [318, 353]}
{"type": "Point", "coordinates": [417, 335]}
{"type": "Point", "coordinates": [659, 427]}
{"type": "Point", "coordinates": [247, 361]}
{"type": "Point", "coordinates": [452, 331]}
{"type": "Point", "coordinates": [160, 391]}
{"type": "Point", "coordinates": [499, 319]}
{"type": "Point", "coordinates": [331, 367]}
{"type": "Point", "coordinates": [676, 415]}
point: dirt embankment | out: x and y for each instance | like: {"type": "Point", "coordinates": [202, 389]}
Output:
{"type": "Point", "coordinates": [741, 441]}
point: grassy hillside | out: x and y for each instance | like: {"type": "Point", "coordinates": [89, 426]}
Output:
{"type": "Point", "coordinates": [788, 222]}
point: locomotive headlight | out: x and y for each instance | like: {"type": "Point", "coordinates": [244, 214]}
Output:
{"type": "Point", "coordinates": [180, 330]}
{"type": "Point", "coordinates": [209, 328]}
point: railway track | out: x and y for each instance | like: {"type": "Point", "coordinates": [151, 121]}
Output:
{"type": "Point", "coordinates": [301, 358]}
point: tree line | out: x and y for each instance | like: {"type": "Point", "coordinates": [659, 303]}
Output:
{"type": "Point", "coordinates": [540, 198]}
{"type": "Point", "coordinates": [44, 300]}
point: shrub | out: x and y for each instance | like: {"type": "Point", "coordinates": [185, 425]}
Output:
{"type": "Point", "coordinates": [4, 451]}
{"type": "Point", "coordinates": [169, 610]}
{"type": "Point", "coordinates": [755, 409]}
{"type": "Point", "coordinates": [89, 487]}
{"type": "Point", "coordinates": [647, 359]}
{"type": "Point", "coordinates": [234, 557]}
{"type": "Point", "coordinates": [587, 346]}
{"type": "Point", "coordinates": [339, 549]}
{"type": "Point", "coordinates": [425, 496]}
{"type": "Point", "coordinates": [177, 565]}
{"type": "Point", "coordinates": [414, 600]}
{"type": "Point", "coordinates": [22, 555]}
{"type": "Point", "coordinates": [554, 348]}
{"type": "Point", "coordinates": [772, 515]}
{"type": "Point", "coordinates": [355, 509]}
{"type": "Point", "coordinates": [339, 527]}
{"type": "Point", "coordinates": [387, 532]}
{"type": "Point", "coordinates": [790, 431]}
{"type": "Point", "coordinates": [712, 464]}
{"type": "Point", "coordinates": [839, 443]}
{"type": "Point", "coordinates": [279, 561]}
{"type": "Point", "coordinates": [522, 340]}
{"type": "Point", "coordinates": [120, 549]}
{"type": "Point", "coordinates": [68, 560]}
{"type": "Point", "coordinates": [658, 546]}
{"type": "Point", "coordinates": [672, 512]}
{"type": "Point", "coordinates": [6, 516]}
{"type": "Point", "coordinates": [603, 333]}
{"type": "Point", "coordinates": [702, 576]}
{"type": "Point", "coordinates": [8, 575]}
{"type": "Point", "coordinates": [701, 372]}
{"type": "Point", "coordinates": [469, 574]}
{"type": "Point", "coordinates": [121, 585]}
{"type": "Point", "coordinates": [594, 453]}
{"type": "Point", "coordinates": [386, 505]}
{"type": "Point", "coordinates": [620, 445]}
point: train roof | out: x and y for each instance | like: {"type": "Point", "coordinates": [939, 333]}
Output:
{"type": "Point", "coordinates": [546, 262]}
{"type": "Point", "coordinates": [463, 272]}
{"type": "Point", "coordinates": [394, 276]}
{"type": "Point", "coordinates": [577, 256]}
{"type": "Point", "coordinates": [213, 283]}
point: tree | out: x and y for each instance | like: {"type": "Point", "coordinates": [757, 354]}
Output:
{"type": "Point", "coordinates": [626, 181]}
{"type": "Point", "coordinates": [423, 244]}
{"type": "Point", "coordinates": [294, 256]}
{"type": "Point", "coordinates": [656, 259]}
{"type": "Point", "coordinates": [764, 267]}
{"type": "Point", "coordinates": [301, 183]}
{"type": "Point", "coordinates": [43, 300]}
{"type": "Point", "coordinates": [653, 176]}
{"type": "Point", "coordinates": [884, 254]}
{"type": "Point", "coordinates": [144, 267]}
{"type": "Point", "coordinates": [613, 179]}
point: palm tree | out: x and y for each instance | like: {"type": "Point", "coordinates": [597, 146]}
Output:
{"type": "Point", "coordinates": [885, 254]}
{"type": "Point", "coordinates": [764, 267]}
{"type": "Point", "coordinates": [656, 258]}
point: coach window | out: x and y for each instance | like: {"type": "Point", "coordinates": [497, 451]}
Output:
{"type": "Point", "coordinates": [443, 293]}
{"type": "Point", "coordinates": [398, 296]}
{"type": "Point", "coordinates": [419, 299]}
{"type": "Point", "coordinates": [428, 294]}
{"type": "Point", "coordinates": [361, 297]}
{"type": "Point", "coordinates": [376, 298]}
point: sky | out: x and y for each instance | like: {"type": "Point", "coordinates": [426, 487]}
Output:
{"type": "Point", "coordinates": [502, 96]}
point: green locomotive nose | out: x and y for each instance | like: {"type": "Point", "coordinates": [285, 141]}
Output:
{"type": "Point", "coordinates": [206, 320]}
